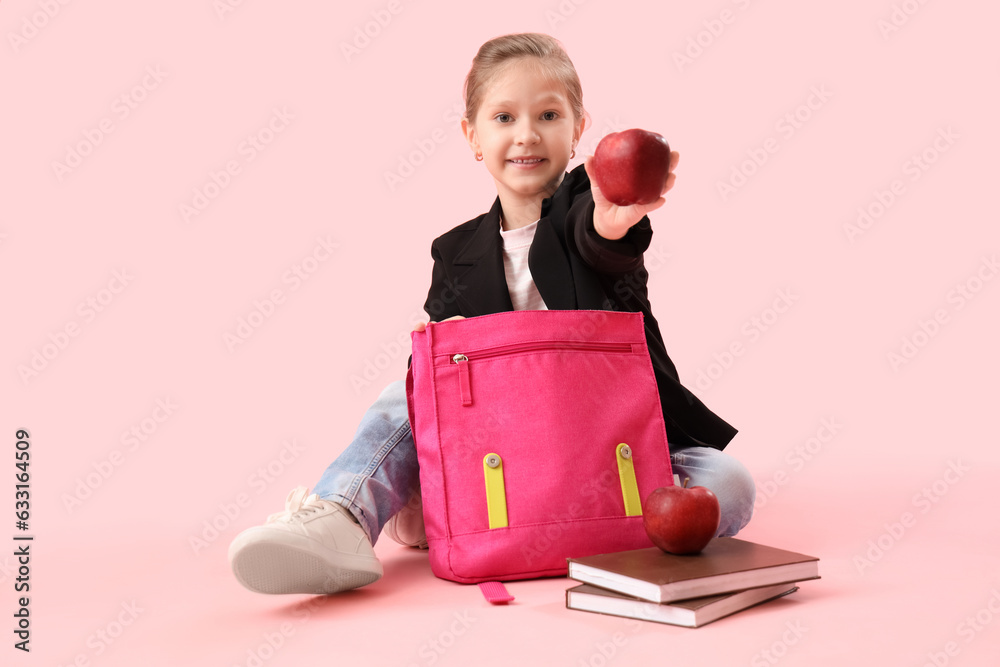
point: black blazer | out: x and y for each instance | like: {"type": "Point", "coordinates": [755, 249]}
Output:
{"type": "Point", "coordinates": [574, 268]}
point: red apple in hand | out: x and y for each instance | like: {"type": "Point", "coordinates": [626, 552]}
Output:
{"type": "Point", "coordinates": [680, 520]}
{"type": "Point", "coordinates": [631, 167]}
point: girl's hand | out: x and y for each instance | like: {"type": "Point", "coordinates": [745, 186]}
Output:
{"type": "Point", "coordinates": [612, 221]}
{"type": "Point", "coordinates": [421, 326]}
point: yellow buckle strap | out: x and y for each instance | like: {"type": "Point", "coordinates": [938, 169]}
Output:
{"type": "Point", "coordinates": [626, 473]}
{"type": "Point", "coordinates": [496, 495]}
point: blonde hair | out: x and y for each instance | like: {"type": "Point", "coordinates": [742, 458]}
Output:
{"type": "Point", "coordinates": [495, 54]}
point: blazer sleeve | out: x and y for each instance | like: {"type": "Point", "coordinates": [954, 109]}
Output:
{"type": "Point", "coordinates": [441, 300]}
{"type": "Point", "coordinates": [623, 255]}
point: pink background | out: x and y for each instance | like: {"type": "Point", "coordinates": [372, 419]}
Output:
{"type": "Point", "coordinates": [716, 263]}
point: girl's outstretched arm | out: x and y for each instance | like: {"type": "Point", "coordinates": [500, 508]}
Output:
{"type": "Point", "coordinates": [612, 221]}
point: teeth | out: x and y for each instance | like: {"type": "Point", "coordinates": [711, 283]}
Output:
{"type": "Point", "coordinates": [526, 161]}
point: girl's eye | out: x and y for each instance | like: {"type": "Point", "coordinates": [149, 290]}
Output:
{"type": "Point", "coordinates": [550, 115]}
{"type": "Point", "coordinates": [502, 116]}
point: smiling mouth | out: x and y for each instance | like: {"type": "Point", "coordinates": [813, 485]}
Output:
{"type": "Point", "coordinates": [527, 161]}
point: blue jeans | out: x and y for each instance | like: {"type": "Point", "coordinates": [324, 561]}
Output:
{"type": "Point", "coordinates": [378, 474]}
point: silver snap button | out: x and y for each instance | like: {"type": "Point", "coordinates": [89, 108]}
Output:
{"type": "Point", "coordinates": [626, 452]}
{"type": "Point", "coordinates": [493, 461]}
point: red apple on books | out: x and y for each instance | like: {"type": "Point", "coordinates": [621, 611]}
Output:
{"type": "Point", "coordinates": [631, 166]}
{"type": "Point", "coordinates": [681, 520]}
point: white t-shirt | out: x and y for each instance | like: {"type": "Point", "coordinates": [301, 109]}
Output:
{"type": "Point", "coordinates": [516, 243]}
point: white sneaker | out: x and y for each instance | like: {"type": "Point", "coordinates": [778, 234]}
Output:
{"type": "Point", "coordinates": [314, 546]}
{"type": "Point", "coordinates": [407, 526]}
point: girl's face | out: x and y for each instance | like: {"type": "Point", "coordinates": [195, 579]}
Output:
{"type": "Point", "coordinates": [525, 130]}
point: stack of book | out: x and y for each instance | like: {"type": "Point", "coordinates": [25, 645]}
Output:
{"type": "Point", "coordinates": [729, 575]}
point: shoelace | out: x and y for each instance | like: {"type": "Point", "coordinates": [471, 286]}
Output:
{"type": "Point", "coordinates": [299, 500]}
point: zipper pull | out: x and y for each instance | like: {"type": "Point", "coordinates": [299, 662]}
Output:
{"type": "Point", "coordinates": [463, 378]}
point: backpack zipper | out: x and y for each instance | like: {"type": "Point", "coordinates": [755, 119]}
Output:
{"type": "Point", "coordinates": [462, 360]}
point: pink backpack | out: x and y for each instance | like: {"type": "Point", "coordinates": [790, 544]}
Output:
{"type": "Point", "coordinates": [538, 434]}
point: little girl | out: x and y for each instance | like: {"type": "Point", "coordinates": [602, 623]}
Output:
{"type": "Point", "coordinates": [550, 241]}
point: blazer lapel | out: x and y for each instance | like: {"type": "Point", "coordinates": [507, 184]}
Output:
{"type": "Point", "coordinates": [479, 265]}
{"type": "Point", "coordinates": [479, 268]}
{"type": "Point", "coordinates": [548, 258]}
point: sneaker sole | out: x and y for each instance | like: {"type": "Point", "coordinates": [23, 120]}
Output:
{"type": "Point", "coordinates": [279, 568]}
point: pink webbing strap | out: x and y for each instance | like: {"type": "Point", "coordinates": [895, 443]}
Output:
{"type": "Point", "coordinates": [495, 592]}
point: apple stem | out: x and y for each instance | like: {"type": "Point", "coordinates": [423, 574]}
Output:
{"type": "Point", "coordinates": [685, 484]}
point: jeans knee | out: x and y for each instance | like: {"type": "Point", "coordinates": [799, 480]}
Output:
{"type": "Point", "coordinates": [395, 389]}
{"type": "Point", "coordinates": [740, 504]}
{"type": "Point", "coordinates": [742, 483]}
{"type": "Point", "coordinates": [392, 402]}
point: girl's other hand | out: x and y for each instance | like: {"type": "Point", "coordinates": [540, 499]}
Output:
{"type": "Point", "coordinates": [612, 221]}
{"type": "Point", "coordinates": [421, 326]}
